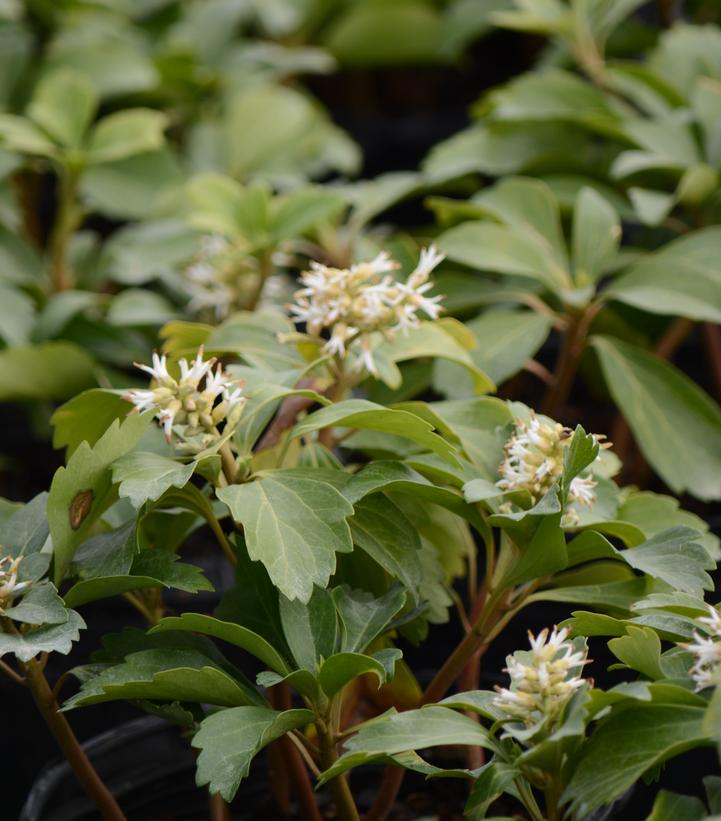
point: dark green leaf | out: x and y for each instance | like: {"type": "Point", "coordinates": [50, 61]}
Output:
{"type": "Point", "coordinates": [233, 633]}
{"type": "Point", "coordinates": [628, 744]}
{"type": "Point", "coordinates": [311, 630]}
{"type": "Point", "coordinates": [677, 426]}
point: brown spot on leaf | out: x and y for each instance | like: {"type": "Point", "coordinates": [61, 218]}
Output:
{"type": "Point", "coordinates": [80, 507]}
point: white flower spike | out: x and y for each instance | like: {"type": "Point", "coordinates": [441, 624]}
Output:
{"type": "Point", "coordinates": [534, 461]}
{"type": "Point", "coordinates": [195, 410]}
{"type": "Point", "coordinates": [10, 587]}
{"type": "Point", "coordinates": [353, 303]}
{"type": "Point", "coordinates": [706, 650]}
{"type": "Point", "coordinates": [542, 685]}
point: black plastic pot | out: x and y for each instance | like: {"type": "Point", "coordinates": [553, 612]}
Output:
{"type": "Point", "coordinates": [147, 766]}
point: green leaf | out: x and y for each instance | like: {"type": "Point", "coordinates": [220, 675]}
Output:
{"type": "Point", "coordinates": [86, 417]}
{"type": "Point", "coordinates": [653, 512]}
{"type": "Point", "coordinates": [630, 743]}
{"type": "Point", "coordinates": [335, 672]}
{"type": "Point", "coordinates": [83, 490]}
{"type": "Point", "coordinates": [110, 53]}
{"type": "Point", "coordinates": [374, 34]}
{"type": "Point", "coordinates": [680, 279]}
{"type": "Point", "coordinates": [365, 415]}
{"type": "Point", "coordinates": [151, 568]}
{"type": "Point", "coordinates": [17, 315]}
{"type": "Point", "coordinates": [253, 601]}
{"type": "Point", "coordinates": [143, 476]}
{"type": "Point", "coordinates": [124, 133]}
{"type": "Point", "coordinates": [311, 629]}
{"type": "Point", "coordinates": [677, 426]}
{"type": "Point", "coordinates": [164, 674]}
{"type": "Point", "coordinates": [136, 187]}
{"type": "Point", "coordinates": [581, 453]}
{"type": "Point", "coordinates": [64, 104]}
{"type": "Point", "coordinates": [364, 617]}
{"type": "Point", "coordinates": [25, 531]}
{"type": "Point", "coordinates": [540, 543]}
{"type": "Point", "coordinates": [494, 779]}
{"type": "Point", "coordinates": [141, 252]}
{"type": "Point", "coordinates": [136, 307]}
{"type": "Point", "coordinates": [107, 554]}
{"type": "Point", "coordinates": [294, 525]}
{"type": "Point", "coordinates": [443, 339]}
{"type": "Point", "coordinates": [19, 134]}
{"type": "Point", "coordinates": [51, 638]}
{"type": "Point", "coordinates": [380, 528]}
{"type": "Point", "coordinates": [505, 339]}
{"type": "Point", "coordinates": [254, 337]}
{"type": "Point", "coordinates": [674, 556]}
{"type": "Point", "coordinates": [233, 633]}
{"type": "Point", "coordinates": [390, 476]}
{"type": "Point", "coordinates": [613, 596]}
{"type": "Point", "coordinates": [222, 205]}
{"type": "Point", "coordinates": [412, 730]}
{"type": "Point", "coordinates": [596, 236]}
{"type": "Point", "coordinates": [670, 806]}
{"type": "Point", "coordinates": [51, 370]}
{"type": "Point", "coordinates": [299, 211]}
{"type": "Point", "coordinates": [639, 649]}
{"type": "Point", "coordinates": [39, 605]}
{"type": "Point", "coordinates": [553, 94]}
{"type": "Point", "coordinates": [502, 249]}
{"type": "Point", "coordinates": [230, 739]}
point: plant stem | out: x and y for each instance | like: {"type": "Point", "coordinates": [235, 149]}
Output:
{"type": "Point", "coordinates": [294, 766]}
{"type": "Point", "coordinates": [230, 466]}
{"type": "Point", "coordinates": [345, 805]}
{"type": "Point", "coordinates": [265, 270]}
{"type": "Point", "coordinates": [69, 744]}
{"type": "Point", "coordinates": [459, 658]}
{"type": "Point", "coordinates": [569, 358]}
{"type": "Point", "coordinates": [529, 800]}
{"type": "Point", "coordinates": [220, 536]}
{"type": "Point", "coordinates": [10, 673]}
{"type": "Point", "coordinates": [712, 339]}
{"type": "Point", "coordinates": [552, 793]}
{"type": "Point", "coordinates": [474, 642]}
{"type": "Point", "coordinates": [219, 810]}
{"type": "Point", "coordinates": [67, 218]}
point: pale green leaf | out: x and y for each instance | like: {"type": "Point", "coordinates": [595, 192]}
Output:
{"type": "Point", "coordinates": [230, 739]}
{"type": "Point", "coordinates": [125, 133]}
{"type": "Point", "coordinates": [64, 104]}
{"type": "Point", "coordinates": [143, 476]}
{"type": "Point", "coordinates": [84, 489]}
{"type": "Point", "coordinates": [51, 638]}
{"type": "Point", "coordinates": [51, 371]}
{"type": "Point", "coordinates": [294, 525]}
{"type": "Point", "coordinates": [364, 415]}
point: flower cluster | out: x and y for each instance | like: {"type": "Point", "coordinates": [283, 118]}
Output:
{"type": "Point", "coordinates": [221, 278]}
{"type": "Point", "coordinates": [534, 461]}
{"type": "Point", "coordinates": [353, 303]}
{"type": "Point", "coordinates": [182, 405]}
{"type": "Point", "coordinates": [542, 679]}
{"type": "Point", "coordinates": [10, 587]}
{"type": "Point", "coordinates": [706, 650]}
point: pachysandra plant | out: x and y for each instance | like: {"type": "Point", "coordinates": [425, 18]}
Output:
{"type": "Point", "coordinates": [310, 413]}
{"type": "Point", "coordinates": [339, 561]}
